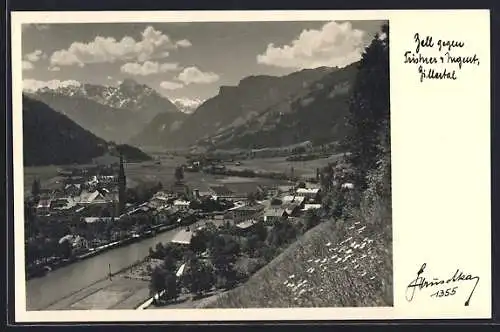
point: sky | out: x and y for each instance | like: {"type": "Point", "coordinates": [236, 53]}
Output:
{"type": "Point", "coordinates": [185, 61]}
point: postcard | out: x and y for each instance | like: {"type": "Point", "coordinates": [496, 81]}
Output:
{"type": "Point", "coordinates": [251, 165]}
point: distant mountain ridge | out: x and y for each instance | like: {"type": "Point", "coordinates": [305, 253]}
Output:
{"type": "Point", "coordinates": [157, 132]}
{"type": "Point", "coordinates": [52, 138]}
{"type": "Point", "coordinates": [231, 107]}
{"type": "Point", "coordinates": [114, 113]}
{"type": "Point", "coordinates": [316, 113]}
{"type": "Point", "coordinates": [187, 105]}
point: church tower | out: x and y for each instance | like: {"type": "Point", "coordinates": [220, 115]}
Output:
{"type": "Point", "coordinates": [122, 186]}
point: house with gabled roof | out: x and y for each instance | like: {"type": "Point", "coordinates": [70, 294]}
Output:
{"type": "Point", "coordinates": [92, 197]}
{"type": "Point", "coordinates": [244, 212]}
{"type": "Point", "coordinates": [43, 207]}
{"type": "Point", "coordinates": [273, 214]}
{"type": "Point", "coordinates": [247, 225]}
{"type": "Point", "coordinates": [308, 193]}
{"type": "Point", "coordinates": [291, 209]}
{"type": "Point", "coordinates": [299, 200]}
{"type": "Point", "coordinates": [183, 237]}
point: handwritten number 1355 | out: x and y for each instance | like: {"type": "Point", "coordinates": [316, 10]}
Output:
{"type": "Point", "coordinates": [447, 292]}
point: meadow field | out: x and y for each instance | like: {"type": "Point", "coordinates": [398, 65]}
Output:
{"type": "Point", "coordinates": [280, 164]}
{"type": "Point", "coordinates": [150, 172]}
{"type": "Point", "coordinates": [47, 175]}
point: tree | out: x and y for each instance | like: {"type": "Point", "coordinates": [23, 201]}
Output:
{"type": "Point", "coordinates": [311, 219]}
{"type": "Point", "coordinates": [276, 201]}
{"type": "Point", "coordinates": [368, 118]}
{"type": "Point", "coordinates": [179, 174]}
{"type": "Point", "coordinates": [35, 189]}
{"type": "Point", "coordinates": [159, 251]}
{"type": "Point", "coordinates": [282, 233]}
{"type": "Point", "coordinates": [251, 198]}
{"type": "Point", "coordinates": [29, 215]}
{"type": "Point", "coordinates": [65, 249]}
{"type": "Point", "coordinates": [260, 231]}
{"type": "Point", "coordinates": [267, 252]}
{"type": "Point", "coordinates": [172, 250]}
{"type": "Point", "coordinates": [199, 277]}
{"type": "Point", "coordinates": [225, 251]}
{"type": "Point", "coordinates": [301, 184]}
{"type": "Point", "coordinates": [169, 264]}
{"type": "Point", "coordinates": [251, 244]}
{"type": "Point", "coordinates": [172, 286]}
{"type": "Point", "coordinates": [158, 280]}
{"type": "Point", "coordinates": [199, 241]}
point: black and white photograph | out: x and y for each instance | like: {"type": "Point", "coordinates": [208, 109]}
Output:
{"type": "Point", "coordinates": [193, 165]}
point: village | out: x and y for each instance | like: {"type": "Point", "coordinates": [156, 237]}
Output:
{"type": "Point", "coordinates": [93, 211]}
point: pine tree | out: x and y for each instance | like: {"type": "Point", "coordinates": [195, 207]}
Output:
{"type": "Point", "coordinates": [179, 174]}
{"type": "Point", "coordinates": [368, 117]}
{"type": "Point", "coordinates": [35, 188]}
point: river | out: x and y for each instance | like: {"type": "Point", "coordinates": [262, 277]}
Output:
{"type": "Point", "coordinates": [42, 292]}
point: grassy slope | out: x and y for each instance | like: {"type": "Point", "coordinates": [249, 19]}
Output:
{"type": "Point", "coordinates": [331, 284]}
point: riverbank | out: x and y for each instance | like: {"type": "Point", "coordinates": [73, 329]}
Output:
{"type": "Point", "coordinates": [124, 289]}
{"type": "Point", "coordinates": [86, 284]}
{"type": "Point", "coordinates": [115, 293]}
{"type": "Point", "coordinates": [43, 269]}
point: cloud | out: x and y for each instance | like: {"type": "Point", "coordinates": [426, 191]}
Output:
{"type": "Point", "coordinates": [194, 75]}
{"type": "Point", "coordinates": [335, 44]}
{"type": "Point", "coordinates": [55, 68]}
{"type": "Point", "coordinates": [35, 56]}
{"type": "Point", "coordinates": [42, 27]}
{"type": "Point", "coordinates": [27, 65]}
{"type": "Point", "coordinates": [39, 27]}
{"type": "Point", "coordinates": [31, 58]}
{"type": "Point", "coordinates": [147, 68]}
{"type": "Point", "coordinates": [110, 78]}
{"type": "Point", "coordinates": [184, 43]}
{"type": "Point", "coordinates": [32, 85]}
{"type": "Point", "coordinates": [153, 45]}
{"type": "Point", "coordinates": [168, 85]}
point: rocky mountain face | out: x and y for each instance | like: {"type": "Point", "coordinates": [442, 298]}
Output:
{"type": "Point", "coordinates": [157, 132]}
{"type": "Point", "coordinates": [232, 107]}
{"type": "Point", "coordinates": [114, 113]}
{"type": "Point", "coordinates": [52, 138]}
{"type": "Point", "coordinates": [261, 111]}
{"type": "Point", "coordinates": [316, 113]}
{"type": "Point", "coordinates": [186, 105]}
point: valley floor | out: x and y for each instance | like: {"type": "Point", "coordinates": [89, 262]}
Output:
{"type": "Point", "coordinates": [149, 172]}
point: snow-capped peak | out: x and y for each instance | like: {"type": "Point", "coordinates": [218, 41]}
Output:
{"type": "Point", "coordinates": [187, 105]}
{"type": "Point", "coordinates": [128, 94]}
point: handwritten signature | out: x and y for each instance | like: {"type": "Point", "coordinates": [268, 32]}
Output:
{"type": "Point", "coordinates": [421, 282]}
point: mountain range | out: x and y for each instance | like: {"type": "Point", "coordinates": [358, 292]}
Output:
{"type": "Point", "coordinates": [260, 111]}
{"type": "Point", "coordinates": [315, 113]}
{"type": "Point", "coordinates": [231, 107]}
{"type": "Point", "coordinates": [52, 138]}
{"type": "Point", "coordinates": [187, 105]}
{"type": "Point", "coordinates": [115, 113]}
